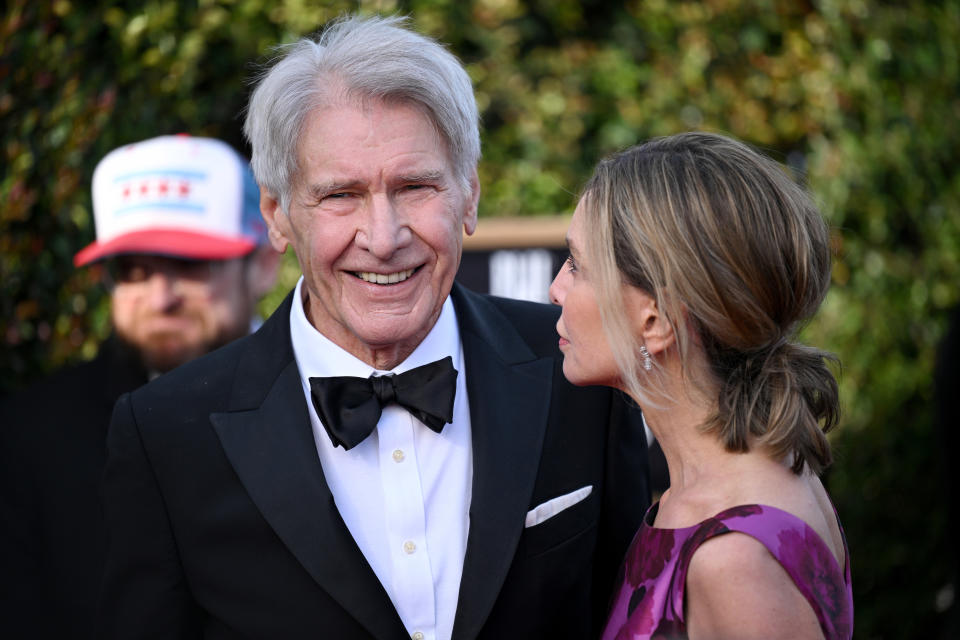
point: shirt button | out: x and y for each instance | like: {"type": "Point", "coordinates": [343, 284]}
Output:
{"type": "Point", "coordinates": [417, 635]}
{"type": "Point", "coordinates": [409, 546]}
{"type": "Point", "coordinates": [398, 455]}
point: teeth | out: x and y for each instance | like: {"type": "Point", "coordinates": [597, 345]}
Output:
{"type": "Point", "coordinates": [384, 278]}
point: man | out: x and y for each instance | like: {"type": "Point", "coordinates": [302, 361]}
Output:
{"type": "Point", "coordinates": [260, 493]}
{"type": "Point", "coordinates": [178, 226]}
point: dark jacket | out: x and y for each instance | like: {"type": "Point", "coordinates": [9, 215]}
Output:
{"type": "Point", "coordinates": [52, 453]}
{"type": "Point", "coordinates": [222, 526]}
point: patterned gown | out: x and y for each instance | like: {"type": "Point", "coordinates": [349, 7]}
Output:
{"type": "Point", "coordinates": [649, 602]}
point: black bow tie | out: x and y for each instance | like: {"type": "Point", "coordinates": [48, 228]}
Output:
{"type": "Point", "coordinates": [350, 407]}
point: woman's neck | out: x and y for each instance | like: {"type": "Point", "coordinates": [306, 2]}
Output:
{"type": "Point", "coordinates": [701, 470]}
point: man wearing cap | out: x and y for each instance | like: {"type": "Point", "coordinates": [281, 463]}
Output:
{"type": "Point", "coordinates": [390, 455]}
{"type": "Point", "coordinates": [179, 230]}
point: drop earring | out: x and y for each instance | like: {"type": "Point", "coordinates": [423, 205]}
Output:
{"type": "Point", "coordinates": [647, 361]}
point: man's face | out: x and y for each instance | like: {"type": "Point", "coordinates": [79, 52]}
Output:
{"type": "Point", "coordinates": [376, 219]}
{"type": "Point", "coordinates": [172, 311]}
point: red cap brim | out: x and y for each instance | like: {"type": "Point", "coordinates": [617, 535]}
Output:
{"type": "Point", "coordinates": [167, 242]}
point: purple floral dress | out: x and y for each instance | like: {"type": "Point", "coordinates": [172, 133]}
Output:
{"type": "Point", "coordinates": [649, 602]}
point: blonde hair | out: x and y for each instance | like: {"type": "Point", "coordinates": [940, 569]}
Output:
{"type": "Point", "coordinates": [737, 257]}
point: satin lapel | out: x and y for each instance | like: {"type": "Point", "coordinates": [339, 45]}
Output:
{"type": "Point", "coordinates": [509, 392]}
{"type": "Point", "coordinates": [271, 447]}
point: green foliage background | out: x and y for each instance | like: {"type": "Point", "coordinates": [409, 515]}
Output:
{"type": "Point", "coordinates": [860, 97]}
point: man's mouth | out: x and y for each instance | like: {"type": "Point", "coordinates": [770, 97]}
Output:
{"type": "Point", "coordinates": [384, 278]}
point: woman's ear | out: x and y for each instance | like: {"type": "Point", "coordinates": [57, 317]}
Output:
{"type": "Point", "coordinates": [650, 326]}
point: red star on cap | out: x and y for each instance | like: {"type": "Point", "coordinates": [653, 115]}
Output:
{"type": "Point", "coordinates": [184, 189]}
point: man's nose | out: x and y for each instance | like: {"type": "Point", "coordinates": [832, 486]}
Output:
{"type": "Point", "coordinates": [162, 290]}
{"type": "Point", "coordinates": [384, 228]}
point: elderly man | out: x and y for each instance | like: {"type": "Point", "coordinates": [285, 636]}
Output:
{"type": "Point", "coordinates": [179, 230]}
{"type": "Point", "coordinates": [389, 456]}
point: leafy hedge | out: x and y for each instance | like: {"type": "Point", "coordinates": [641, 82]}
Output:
{"type": "Point", "coordinates": [860, 97]}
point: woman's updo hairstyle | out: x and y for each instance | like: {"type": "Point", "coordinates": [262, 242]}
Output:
{"type": "Point", "coordinates": [737, 257]}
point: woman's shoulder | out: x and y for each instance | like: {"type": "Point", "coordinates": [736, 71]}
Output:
{"type": "Point", "coordinates": [735, 584]}
{"type": "Point", "coordinates": [766, 559]}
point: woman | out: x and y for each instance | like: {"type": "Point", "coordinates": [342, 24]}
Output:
{"type": "Point", "coordinates": [694, 260]}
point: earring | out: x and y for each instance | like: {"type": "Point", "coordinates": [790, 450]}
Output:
{"type": "Point", "coordinates": [647, 361]}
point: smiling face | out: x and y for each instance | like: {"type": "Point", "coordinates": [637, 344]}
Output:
{"type": "Point", "coordinates": [376, 219]}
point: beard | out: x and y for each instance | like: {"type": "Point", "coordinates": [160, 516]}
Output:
{"type": "Point", "coordinates": [161, 352]}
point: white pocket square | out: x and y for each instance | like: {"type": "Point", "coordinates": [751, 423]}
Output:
{"type": "Point", "coordinates": [552, 507]}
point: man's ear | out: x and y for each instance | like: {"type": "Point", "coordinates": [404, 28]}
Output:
{"type": "Point", "coordinates": [277, 222]}
{"type": "Point", "coordinates": [473, 201]}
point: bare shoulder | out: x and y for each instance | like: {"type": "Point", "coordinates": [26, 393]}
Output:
{"type": "Point", "coordinates": [736, 589]}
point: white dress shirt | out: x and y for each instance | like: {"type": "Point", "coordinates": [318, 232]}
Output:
{"type": "Point", "coordinates": [404, 492]}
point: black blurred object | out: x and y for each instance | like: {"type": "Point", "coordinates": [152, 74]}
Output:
{"type": "Point", "coordinates": [946, 384]}
{"type": "Point", "coordinates": [52, 454]}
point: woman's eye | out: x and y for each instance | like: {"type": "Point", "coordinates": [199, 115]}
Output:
{"type": "Point", "coordinates": [571, 264]}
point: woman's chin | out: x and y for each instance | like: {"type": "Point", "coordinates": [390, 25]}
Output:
{"type": "Point", "coordinates": [576, 376]}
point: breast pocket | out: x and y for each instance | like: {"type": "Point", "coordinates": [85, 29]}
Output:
{"type": "Point", "coordinates": [558, 520]}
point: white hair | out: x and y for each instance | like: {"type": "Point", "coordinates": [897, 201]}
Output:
{"type": "Point", "coordinates": [364, 58]}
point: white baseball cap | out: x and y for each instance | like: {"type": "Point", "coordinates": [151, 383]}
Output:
{"type": "Point", "coordinates": [176, 196]}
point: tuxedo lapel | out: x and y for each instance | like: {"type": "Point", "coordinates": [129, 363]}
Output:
{"type": "Point", "coordinates": [509, 392]}
{"type": "Point", "coordinates": [270, 445]}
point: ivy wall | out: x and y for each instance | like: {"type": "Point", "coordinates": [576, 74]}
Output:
{"type": "Point", "coordinates": [860, 97]}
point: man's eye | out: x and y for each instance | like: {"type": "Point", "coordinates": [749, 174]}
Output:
{"type": "Point", "coordinates": [132, 273]}
{"type": "Point", "coordinates": [571, 264]}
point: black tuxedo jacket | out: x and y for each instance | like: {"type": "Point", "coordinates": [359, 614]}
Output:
{"type": "Point", "coordinates": [52, 453]}
{"type": "Point", "coordinates": [221, 525]}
